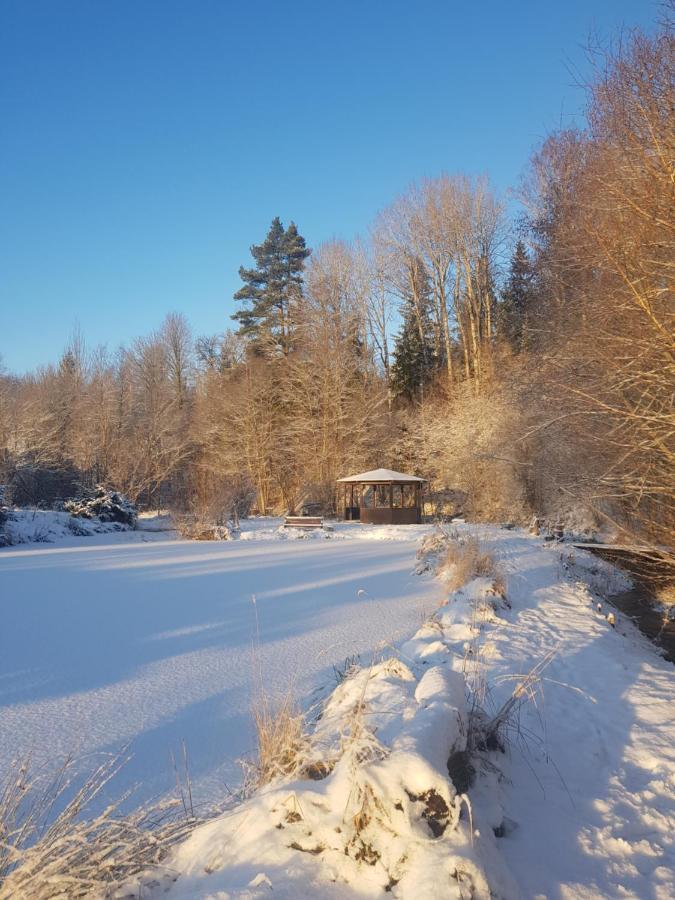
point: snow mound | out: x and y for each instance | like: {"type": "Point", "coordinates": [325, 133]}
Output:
{"type": "Point", "coordinates": [371, 808]}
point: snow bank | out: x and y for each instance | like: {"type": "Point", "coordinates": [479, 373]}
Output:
{"type": "Point", "coordinates": [601, 576]}
{"type": "Point", "coordinates": [371, 808]}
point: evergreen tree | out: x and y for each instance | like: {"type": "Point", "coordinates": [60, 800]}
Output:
{"type": "Point", "coordinates": [415, 360]}
{"type": "Point", "coordinates": [271, 288]}
{"type": "Point", "coordinates": [516, 299]}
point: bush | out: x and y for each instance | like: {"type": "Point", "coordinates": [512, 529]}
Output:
{"type": "Point", "coordinates": [193, 529]}
{"type": "Point", "coordinates": [106, 505]}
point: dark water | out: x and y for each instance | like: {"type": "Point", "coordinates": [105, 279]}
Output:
{"type": "Point", "coordinates": [638, 604]}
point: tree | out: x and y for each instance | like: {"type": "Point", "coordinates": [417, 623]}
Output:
{"type": "Point", "coordinates": [177, 340]}
{"type": "Point", "coordinates": [602, 207]}
{"type": "Point", "coordinates": [516, 298]}
{"type": "Point", "coordinates": [336, 396]}
{"type": "Point", "coordinates": [415, 359]}
{"type": "Point", "coordinates": [272, 289]}
{"type": "Point", "coordinates": [454, 225]}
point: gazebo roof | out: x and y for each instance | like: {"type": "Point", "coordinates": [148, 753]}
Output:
{"type": "Point", "coordinates": [381, 475]}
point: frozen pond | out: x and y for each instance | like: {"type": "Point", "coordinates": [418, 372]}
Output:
{"type": "Point", "coordinates": [148, 640]}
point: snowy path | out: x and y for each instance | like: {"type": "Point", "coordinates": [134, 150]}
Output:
{"type": "Point", "coordinates": [115, 641]}
{"type": "Point", "coordinates": [593, 790]}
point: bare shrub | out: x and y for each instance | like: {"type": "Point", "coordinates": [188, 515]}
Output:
{"type": "Point", "coordinates": [48, 849]}
{"type": "Point", "coordinates": [192, 529]}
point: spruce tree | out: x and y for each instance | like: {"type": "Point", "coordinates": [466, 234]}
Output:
{"type": "Point", "coordinates": [415, 360]}
{"type": "Point", "coordinates": [516, 299]}
{"type": "Point", "coordinates": [271, 288]}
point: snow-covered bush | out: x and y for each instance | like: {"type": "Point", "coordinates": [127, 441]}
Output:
{"type": "Point", "coordinates": [104, 504]}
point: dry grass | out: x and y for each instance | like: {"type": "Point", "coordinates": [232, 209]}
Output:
{"type": "Point", "coordinates": [466, 559]}
{"type": "Point", "coordinates": [280, 740]}
{"type": "Point", "coordinates": [48, 849]}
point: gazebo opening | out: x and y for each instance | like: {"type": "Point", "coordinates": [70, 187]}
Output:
{"type": "Point", "coordinates": [381, 497]}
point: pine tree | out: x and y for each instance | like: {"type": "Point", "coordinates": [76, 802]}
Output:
{"type": "Point", "coordinates": [271, 289]}
{"type": "Point", "coordinates": [516, 299]}
{"type": "Point", "coordinates": [415, 360]}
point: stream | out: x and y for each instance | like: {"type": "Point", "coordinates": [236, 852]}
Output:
{"type": "Point", "coordinates": [638, 604]}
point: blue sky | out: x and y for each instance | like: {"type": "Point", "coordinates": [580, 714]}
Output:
{"type": "Point", "coordinates": [146, 144]}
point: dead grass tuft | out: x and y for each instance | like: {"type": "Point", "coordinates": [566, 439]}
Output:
{"type": "Point", "coordinates": [281, 742]}
{"type": "Point", "coordinates": [46, 853]}
{"type": "Point", "coordinates": [466, 559]}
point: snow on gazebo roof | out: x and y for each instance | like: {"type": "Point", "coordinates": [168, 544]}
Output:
{"type": "Point", "coordinates": [381, 475]}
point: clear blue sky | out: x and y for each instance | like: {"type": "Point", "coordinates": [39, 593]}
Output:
{"type": "Point", "coordinates": [146, 144]}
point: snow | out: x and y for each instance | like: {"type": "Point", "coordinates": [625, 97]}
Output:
{"type": "Point", "coordinates": [136, 637]}
{"type": "Point", "coordinates": [41, 526]}
{"type": "Point", "coordinates": [594, 793]}
{"type": "Point", "coordinates": [380, 475]}
{"type": "Point", "coordinates": [386, 818]}
{"type": "Point", "coordinates": [133, 637]}
{"type": "Point", "coordinates": [583, 799]}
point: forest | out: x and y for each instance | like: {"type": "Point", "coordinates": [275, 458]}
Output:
{"type": "Point", "coordinates": [524, 364]}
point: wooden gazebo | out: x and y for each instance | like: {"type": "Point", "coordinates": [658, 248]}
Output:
{"type": "Point", "coordinates": [381, 497]}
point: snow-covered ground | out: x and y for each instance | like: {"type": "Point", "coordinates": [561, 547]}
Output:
{"type": "Point", "coordinates": [592, 792]}
{"type": "Point", "coordinates": [139, 637]}
{"type": "Point", "coordinates": [582, 804]}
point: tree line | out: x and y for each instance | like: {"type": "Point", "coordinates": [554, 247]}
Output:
{"type": "Point", "coordinates": [522, 367]}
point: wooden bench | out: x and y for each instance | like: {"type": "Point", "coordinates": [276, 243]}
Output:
{"type": "Point", "coordinates": [303, 522]}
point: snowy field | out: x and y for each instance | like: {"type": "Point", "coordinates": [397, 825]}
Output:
{"type": "Point", "coordinates": [581, 805]}
{"type": "Point", "coordinates": [138, 637]}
